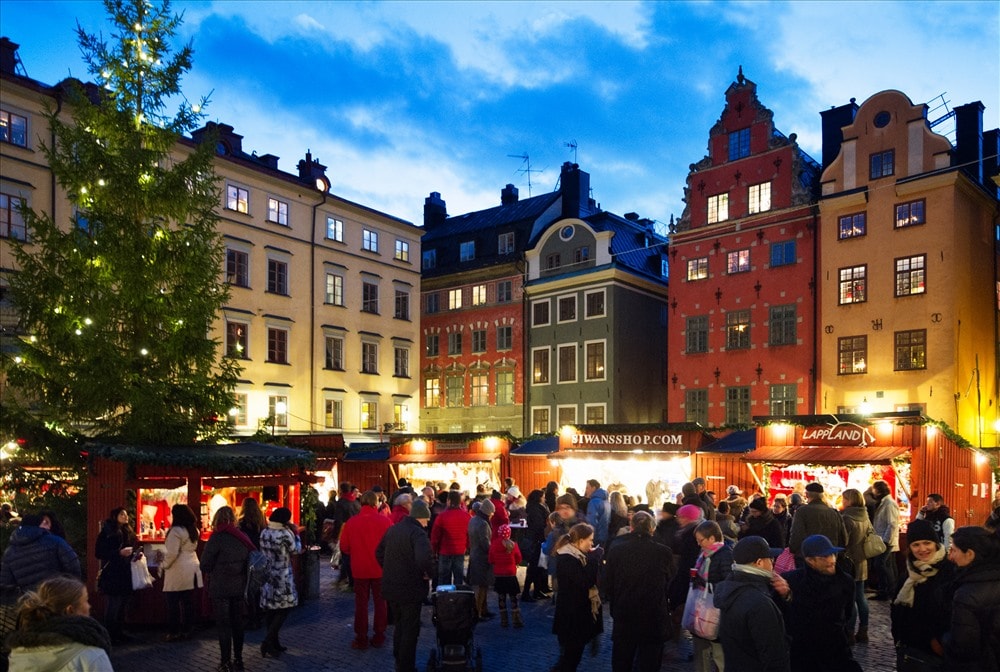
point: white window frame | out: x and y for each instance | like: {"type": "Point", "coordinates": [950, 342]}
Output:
{"type": "Point", "coordinates": [536, 428]}
{"type": "Point", "coordinates": [333, 418]}
{"type": "Point", "coordinates": [369, 407]}
{"type": "Point", "coordinates": [718, 208]}
{"type": "Point", "coordinates": [467, 250]}
{"type": "Point", "coordinates": [369, 240]}
{"type": "Point", "coordinates": [586, 360]}
{"type": "Point", "coordinates": [505, 243]}
{"type": "Point", "coordinates": [234, 204]}
{"type": "Point", "coordinates": [560, 420]}
{"type": "Point", "coordinates": [402, 250]}
{"type": "Point", "coordinates": [759, 197]}
{"type": "Point", "coordinates": [277, 211]}
{"type": "Point", "coordinates": [574, 372]}
{"type": "Point", "coordinates": [335, 227]}
{"type": "Point", "coordinates": [586, 413]}
{"type": "Point", "coordinates": [548, 313]}
{"type": "Point", "coordinates": [567, 298]}
{"type": "Point", "coordinates": [333, 294]}
{"type": "Point", "coordinates": [586, 305]}
{"type": "Point", "coordinates": [239, 412]}
{"type": "Point", "coordinates": [280, 419]}
{"type": "Point", "coordinates": [547, 374]}
{"type": "Point", "coordinates": [479, 295]}
{"type": "Point", "coordinates": [455, 299]}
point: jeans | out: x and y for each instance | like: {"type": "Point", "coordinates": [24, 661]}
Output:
{"type": "Point", "coordinates": [362, 589]}
{"type": "Point", "coordinates": [114, 614]}
{"type": "Point", "coordinates": [405, 633]}
{"type": "Point", "coordinates": [229, 622]}
{"type": "Point", "coordinates": [180, 611]}
{"type": "Point", "coordinates": [887, 574]}
{"type": "Point", "coordinates": [450, 566]}
{"type": "Point", "coordinates": [625, 649]}
{"type": "Point", "coordinates": [860, 606]}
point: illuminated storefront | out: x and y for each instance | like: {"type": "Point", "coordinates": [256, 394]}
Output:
{"type": "Point", "coordinates": [468, 459]}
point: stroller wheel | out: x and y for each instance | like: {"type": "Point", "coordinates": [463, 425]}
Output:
{"type": "Point", "coordinates": [432, 660]}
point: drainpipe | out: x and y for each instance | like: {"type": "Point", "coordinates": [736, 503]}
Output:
{"type": "Point", "coordinates": [312, 309]}
{"type": "Point", "coordinates": [813, 391]}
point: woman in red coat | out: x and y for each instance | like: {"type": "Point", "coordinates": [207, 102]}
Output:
{"type": "Point", "coordinates": [505, 556]}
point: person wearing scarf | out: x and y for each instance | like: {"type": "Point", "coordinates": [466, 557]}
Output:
{"type": "Point", "coordinates": [712, 567]}
{"type": "Point", "coordinates": [578, 608]}
{"type": "Point", "coordinates": [921, 609]}
{"type": "Point", "coordinates": [225, 558]}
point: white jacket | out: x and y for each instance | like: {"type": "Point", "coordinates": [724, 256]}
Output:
{"type": "Point", "coordinates": [71, 657]}
{"type": "Point", "coordinates": [886, 522]}
{"type": "Point", "coordinates": [180, 568]}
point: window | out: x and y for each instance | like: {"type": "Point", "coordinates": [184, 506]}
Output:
{"type": "Point", "coordinates": [553, 261]}
{"type": "Point", "coordinates": [739, 144]}
{"type": "Point", "coordinates": [432, 393]}
{"type": "Point", "coordinates": [782, 400]}
{"type": "Point", "coordinates": [759, 196]}
{"type": "Point", "coordinates": [567, 308]}
{"type": "Point", "coordinates": [333, 416]}
{"type": "Point", "coordinates": [595, 360]}
{"type": "Point", "coordinates": [737, 405]}
{"type": "Point", "coordinates": [581, 254]}
{"type": "Point", "coordinates": [594, 304]}
{"type": "Point", "coordinates": [696, 334]}
{"type": "Point", "coordinates": [852, 284]}
{"type": "Point", "coordinates": [478, 295]}
{"type": "Point", "coordinates": [480, 388]}
{"type": "Point", "coordinates": [400, 416]}
{"type": "Point", "coordinates": [567, 363]}
{"type": "Point", "coordinates": [369, 240]}
{"type": "Point", "coordinates": [239, 410]}
{"type": "Point", "coordinates": [454, 391]}
{"type": "Point", "coordinates": [505, 291]}
{"type": "Point", "coordinates": [853, 355]}
{"type": "Point", "coordinates": [11, 220]}
{"type": "Point", "coordinates": [13, 128]}
{"type": "Point", "coordinates": [454, 299]}
{"type": "Point", "coordinates": [237, 198]}
{"type": "Point", "coordinates": [540, 366]}
{"type": "Point", "coordinates": [401, 307]}
{"type": "Point", "coordinates": [429, 259]}
{"type": "Point", "coordinates": [696, 406]}
{"type": "Point", "coordinates": [277, 277]}
{"type": "Point", "coordinates": [505, 388]}
{"type": "Point", "coordinates": [882, 164]}
{"type": "Point", "coordinates": [433, 303]}
{"type": "Point", "coordinates": [455, 343]}
{"type": "Point", "coordinates": [334, 289]}
{"type": "Point", "coordinates": [277, 211]}
{"type": "Point", "coordinates": [737, 329]}
{"type": "Point", "coordinates": [565, 415]}
{"type": "Point", "coordinates": [277, 346]}
{"type": "Point", "coordinates": [467, 250]}
{"type": "Point", "coordinates": [479, 340]}
{"type": "Point", "coordinates": [783, 253]}
{"type": "Point", "coordinates": [738, 261]}
{"type": "Point", "coordinates": [237, 341]}
{"type": "Point", "coordinates": [910, 275]}
{"type": "Point", "coordinates": [277, 409]}
{"type": "Point", "coordinates": [852, 226]}
{"type": "Point", "coordinates": [540, 313]}
{"type": "Point", "coordinates": [433, 345]}
{"type": "Point", "coordinates": [334, 229]}
{"type": "Point", "coordinates": [697, 268]}
{"type": "Point", "coordinates": [369, 297]}
{"type": "Point", "coordinates": [505, 337]}
{"type": "Point", "coordinates": [505, 243]}
{"type": "Point", "coordinates": [718, 208]}
{"type": "Point", "coordinates": [369, 357]}
{"type": "Point", "coordinates": [540, 420]}
{"type": "Point", "coordinates": [781, 325]}
{"type": "Point", "coordinates": [369, 414]}
{"type": "Point", "coordinates": [911, 350]}
{"type": "Point", "coordinates": [334, 358]}
{"type": "Point", "coordinates": [910, 214]}
{"type": "Point", "coordinates": [594, 414]}
{"type": "Point", "coordinates": [402, 250]}
{"type": "Point", "coordinates": [401, 362]}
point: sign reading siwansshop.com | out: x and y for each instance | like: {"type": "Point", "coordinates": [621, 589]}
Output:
{"type": "Point", "coordinates": [838, 434]}
{"type": "Point", "coordinates": [629, 440]}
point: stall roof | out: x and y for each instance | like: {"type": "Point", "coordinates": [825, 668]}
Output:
{"type": "Point", "coordinates": [230, 458]}
{"type": "Point", "coordinates": [542, 446]}
{"type": "Point", "coordinates": [826, 454]}
{"type": "Point", "coordinates": [738, 442]}
{"type": "Point", "coordinates": [443, 457]}
{"type": "Point", "coordinates": [367, 452]}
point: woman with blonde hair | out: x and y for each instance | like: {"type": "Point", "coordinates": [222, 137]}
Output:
{"type": "Point", "coordinates": [578, 608]}
{"type": "Point", "coordinates": [619, 514]}
{"type": "Point", "coordinates": [856, 520]}
{"type": "Point", "coordinates": [225, 559]}
{"type": "Point", "coordinates": [55, 631]}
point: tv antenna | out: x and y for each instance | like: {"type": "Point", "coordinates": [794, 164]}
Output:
{"type": "Point", "coordinates": [572, 146]}
{"type": "Point", "coordinates": [526, 168]}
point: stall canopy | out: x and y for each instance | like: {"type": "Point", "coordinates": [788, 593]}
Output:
{"type": "Point", "coordinates": [367, 452]}
{"type": "Point", "coordinates": [244, 458]}
{"type": "Point", "coordinates": [742, 441]}
{"type": "Point", "coordinates": [437, 457]}
{"type": "Point", "coordinates": [826, 454]}
{"type": "Point", "coordinates": [541, 446]}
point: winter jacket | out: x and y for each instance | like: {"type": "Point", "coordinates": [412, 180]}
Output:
{"type": "Point", "coordinates": [616, 524]}
{"type": "Point", "coordinates": [886, 523]}
{"type": "Point", "coordinates": [480, 573]}
{"type": "Point", "coordinates": [548, 547]}
{"type": "Point", "coordinates": [225, 560]}
{"type": "Point", "coordinates": [720, 564]}
{"type": "Point", "coordinates": [751, 627]}
{"type": "Point", "coordinates": [816, 617]}
{"type": "Point", "coordinates": [706, 509]}
{"type": "Point", "coordinates": [636, 579]}
{"type": "Point", "coordinates": [599, 515]}
{"type": "Point", "coordinates": [504, 562]}
{"type": "Point", "coordinates": [450, 535]}
{"type": "Point", "coordinates": [61, 644]}
{"type": "Point", "coordinates": [397, 514]}
{"type": "Point", "coordinates": [737, 504]}
{"type": "Point", "coordinates": [973, 642]}
{"type": "Point", "coordinates": [536, 515]}
{"type": "Point", "coordinates": [345, 508]}
{"type": "Point", "coordinates": [252, 532]}
{"type": "Point", "coordinates": [279, 543]}
{"type": "Point", "coordinates": [930, 616]}
{"type": "Point", "coordinates": [942, 522]}
{"type": "Point", "coordinates": [180, 568]}
{"type": "Point", "coordinates": [665, 532]}
{"type": "Point", "coordinates": [115, 570]}
{"type": "Point", "coordinates": [360, 537]}
{"type": "Point", "coordinates": [686, 552]}
{"type": "Point", "coordinates": [767, 526]}
{"type": "Point", "coordinates": [35, 554]}
{"type": "Point", "coordinates": [730, 530]}
{"type": "Point", "coordinates": [405, 556]}
{"type": "Point", "coordinates": [857, 524]}
{"type": "Point", "coordinates": [817, 517]}
{"type": "Point", "coordinates": [574, 618]}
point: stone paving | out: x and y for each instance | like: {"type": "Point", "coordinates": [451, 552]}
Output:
{"type": "Point", "coordinates": [318, 635]}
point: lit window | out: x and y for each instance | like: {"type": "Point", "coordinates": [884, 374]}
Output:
{"type": "Point", "coordinates": [738, 261]}
{"type": "Point", "coordinates": [401, 307]}
{"type": "Point", "coordinates": [369, 297]}
{"type": "Point", "coordinates": [696, 334]}
{"type": "Point", "coordinates": [696, 406]}
{"type": "Point", "coordinates": [334, 289]}
{"type": "Point", "coordinates": [718, 208]}
{"type": "Point", "coordinates": [781, 324]}
{"type": "Point", "coordinates": [277, 277]}
{"type": "Point", "coordinates": [432, 393]}
{"type": "Point", "coordinates": [505, 243]}
{"type": "Point", "coordinates": [277, 409]}
{"type": "Point", "coordinates": [853, 355]}
{"type": "Point", "coordinates": [11, 219]}
{"type": "Point", "coordinates": [277, 346]}
{"type": "Point", "coordinates": [401, 362]}
{"type": "Point", "coordinates": [334, 356]}
{"type": "Point", "coordinates": [333, 417]}
{"type": "Point", "coordinates": [567, 363]}
{"type": "Point", "coordinates": [910, 275]}
{"type": "Point", "coordinates": [505, 291]}
{"type": "Point", "coordinates": [540, 313]}
{"type": "Point", "coordinates": [911, 350]}
{"type": "Point", "coordinates": [369, 414]}
{"type": "Point", "coordinates": [13, 128]}
{"type": "Point", "coordinates": [467, 251]}
{"type": "Point", "coordinates": [334, 229]}
{"type": "Point", "coordinates": [237, 340]}
{"type": "Point", "coordinates": [737, 405]}
{"type": "Point", "coordinates": [505, 388]}
{"type": "Point", "coordinates": [594, 414]}
{"type": "Point", "coordinates": [239, 410]}
{"type": "Point", "coordinates": [760, 197]}
{"type": "Point", "coordinates": [882, 164]}
{"type": "Point", "coordinates": [739, 144]}
{"type": "Point", "coordinates": [594, 304]}
{"type": "Point", "coordinates": [697, 269]}
{"type": "Point", "coordinates": [737, 329]}
{"type": "Point", "coordinates": [277, 211]}
{"type": "Point", "coordinates": [540, 366]}
{"type": "Point", "coordinates": [237, 198]}
{"type": "Point", "coordinates": [852, 226]}
{"type": "Point", "coordinates": [369, 240]}
{"type": "Point", "coordinates": [505, 338]}
{"type": "Point", "coordinates": [402, 250]}
{"type": "Point", "coordinates": [566, 415]}
{"type": "Point", "coordinates": [595, 360]}
{"type": "Point", "coordinates": [540, 420]}
{"type": "Point", "coordinates": [567, 308]}
{"type": "Point", "coordinates": [400, 416]}
{"type": "Point", "coordinates": [478, 295]}
{"type": "Point", "coordinates": [454, 390]}
{"type": "Point", "coordinates": [455, 343]}
{"type": "Point", "coordinates": [910, 214]}
{"type": "Point", "coordinates": [853, 284]}
{"type": "Point", "coordinates": [369, 357]}
{"type": "Point", "coordinates": [783, 253]}
{"type": "Point", "coordinates": [479, 383]}
{"type": "Point", "coordinates": [429, 259]}
{"type": "Point", "coordinates": [454, 299]}
{"type": "Point", "coordinates": [237, 268]}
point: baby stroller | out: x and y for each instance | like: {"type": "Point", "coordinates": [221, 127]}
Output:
{"type": "Point", "coordinates": [454, 618]}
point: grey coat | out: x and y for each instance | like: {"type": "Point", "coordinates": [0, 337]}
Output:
{"type": "Point", "coordinates": [225, 561]}
{"type": "Point", "coordinates": [480, 570]}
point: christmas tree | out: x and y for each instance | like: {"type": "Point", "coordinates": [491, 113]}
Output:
{"type": "Point", "coordinates": [117, 305]}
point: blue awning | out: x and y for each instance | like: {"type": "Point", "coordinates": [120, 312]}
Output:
{"type": "Point", "coordinates": [543, 446]}
{"type": "Point", "coordinates": [738, 442]}
{"type": "Point", "coordinates": [367, 452]}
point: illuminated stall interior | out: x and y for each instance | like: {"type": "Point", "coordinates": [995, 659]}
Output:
{"type": "Point", "coordinates": [467, 459]}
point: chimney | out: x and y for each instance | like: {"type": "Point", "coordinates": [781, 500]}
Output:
{"type": "Point", "coordinates": [269, 160]}
{"type": "Point", "coordinates": [310, 170]}
{"type": "Point", "coordinates": [508, 195]}
{"type": "Point", "coordinates": [575, 187]}
{"type": "Point", "coordinates": [632, 216]}
{"type": "Point", "coordinates": [969, 139]}
{"type": "Point", "coordinates": [8, 56]}
{"type": "Point", "coordinates": [435, 210]}
{"type": "Point", "coordinates": [834, 120]}
{"type": "Point", "coordinates": [991, 166]}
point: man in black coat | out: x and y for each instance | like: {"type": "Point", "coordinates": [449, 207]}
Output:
{"type": "Point", "coordinates": [636, 580]}
{"type": "Point", "coordinates": [405, 556]}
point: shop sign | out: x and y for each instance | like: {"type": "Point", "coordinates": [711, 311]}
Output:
{"type": "Point", "coordinates": [633, 440]}
{"type": "Point", "coordinates": [451, 445]}
{"type": "Point", "coordinates": [838, 434]}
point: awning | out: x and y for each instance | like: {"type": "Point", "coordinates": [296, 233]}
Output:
{"type": "Point", "coordinates": [549, 444]}
{"type": "Point", "coordinates": [826, 454]}
{"type": "Point", "coordinates": [369, 455]}
{"type": "Point", "coordinates": [737, 442]}
{"type": "Point", "coordinates": [424, 458]}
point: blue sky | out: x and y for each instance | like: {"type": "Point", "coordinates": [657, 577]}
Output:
{"type": "Point", "coordinates": [403, 98]}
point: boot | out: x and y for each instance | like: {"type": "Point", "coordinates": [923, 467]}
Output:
{"type": "Point", "coordinates": [518, 623]}
{"type": "Point", "coordinates": [862, 636]}
{"type": "Point", "coordinates": [503, 617]}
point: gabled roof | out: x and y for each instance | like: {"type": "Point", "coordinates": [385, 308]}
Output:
{"type": "Point", "coordinates": [522, 212]}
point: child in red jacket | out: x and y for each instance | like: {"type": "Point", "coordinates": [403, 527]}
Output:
{"type": "Point", "coordinates": [505, 556]}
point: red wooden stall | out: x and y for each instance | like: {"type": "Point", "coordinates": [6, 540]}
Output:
{"type": "Point", "coordinates": [470, 459]}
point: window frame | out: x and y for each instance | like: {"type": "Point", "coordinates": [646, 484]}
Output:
{"type": "Point", "coordinates": [738, 329]}
{"type": "Point", "coordinates": [478, 341]}
{"type": "Point", "coordinates": [853, 225]}
{"type": "Point", "coordinates": [905, 216]}
{"type": "Point", "coordinates": [237, 344]}
{"type": "Point", "coordinates": [783, 253]}
{"type": "Point", "coordinates": [432, 303]}
{"type": "Point", "coordinates": [428, 259]}
{"type": "Point", "coordinates": [541, 419]}
{"type": "Point", "coordinates": [696, 409]}
{"type": "Point", "coordinates": [595, 363]}
{"type": "Point", "coordinates": [912, 276]}
{"type": "Point", "coordinates": [589, 311]}
{"type": "Point", "coordinates": [333, 413]}
{"type": "Point", "coordinates": [455, 299]}
{"type": "Point", "coordinates": [566, 371]}
{"type": "Point", "coordinates": [879, 167]}
{"type": "Point", "coordinates": [566, 308]}
{"type": "Point", "coordinates": [402, 251]}
{"type": "Point", "coordinates": [505, 243]}
{"type": "Point", "coordinates": [336, 227]}
{"type": "Point", "coordinates": [696, 334]}
{"type": "Point", "coordinates": [400, 362]}
{"type": "Point", "coordinates": [455, 343]}
{"type": "Point", "coordinates": [479, 295]}
{"type": "Point", "coordinates": [237, 267]}
{"type": "Point", "coordinates": [277, 276]}
{"type": "Point", "coordinates": [11, 217]}
{"type": "Point", "coordinates": [369, 240]}
{"type": "Point", "coordinates": [718, 208]}
{"type": "Point", "coordinates": [740, 149]}
{"type": "Point", "coordinates": [697, 269]}
{"type": "Point", "coordinates": [333, 352]}
{"type": "Point", "coordinates": [738, 395]}
{"type": "Point", "coordinates": [280, 419]}
{"type": "Point", "coordinates": [429, 350]}
{"type": "Point", "coordinates": [451, 389]}
{"type": "Point", "coordinates": [505, 291]}
{"type": "Point", "coordinates": [8, 134]}
{"type": "Point", "coordinates": [781, 325]}
{"type": "Point", "coordinates": [504, 387]}
{"type": "Point", "coordinates": [334, 296]}
{"type": "Point", "coordinates": [277, 211]}
{"type": "Point", "coordinates": [432, 392]}
{"type": "Point", "coordinates": [466, 250]}
{"type": "Point", "coordinates": [234, 202]}
{"type": "Point", "coordinates": [369, 296]}
{"type": "Point", "coordinates": [777, 404]}
{"type": "Point", "coordinates": [277, 345]}
{"type": "Point", "coordinates": [852, 346]}
{"type": "Point", "coordinates": [847, 286]}
{"type": "Point", "coordinates": [913, 349]}
{"type": "Point", "coordinates": [759, 197]}
{"type": "Point", "coordinates": [401, 304]}
{"type": "Point", "coordinates": [369, 357]}
{"type": "Point", "coordinates": [738, 261]}
{"type": "Point", "coordinates": [241, 402]}
{"type": "Point", "coordinates": [368, 412]}
{"type": "Point", "coordinates": [505, 337]}
{"type": "Point", "coordinates": [479, 387]}
{"type": "Point", "coordinates": [541, 366]}
{"type": "Point", "coordinates": [537, 307]}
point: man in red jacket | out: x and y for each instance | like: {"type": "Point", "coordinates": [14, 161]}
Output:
{"type": "Point", "coordinates": [359, 538]}
{"type": "Point", "coordinates": [450, 540]}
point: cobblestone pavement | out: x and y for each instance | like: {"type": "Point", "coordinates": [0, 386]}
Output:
{"type": "Point", "coordinates": [318, 635]}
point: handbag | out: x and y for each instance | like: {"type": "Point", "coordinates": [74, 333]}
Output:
{"type": "Point", "coordinates": [141, 578]}
{"type": "Point", "coordinates": [872, 545]}
{"type": "Point", "coordinates": [701, 616]}
{"type": "Point", "coordinates": [910, 659]}
{"type": "Point", "coordinates": [784, 562]}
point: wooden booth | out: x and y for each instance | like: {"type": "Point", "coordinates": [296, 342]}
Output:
{"type": "Point", "coordinates": [366, 465]}
{"type": "Point", "coordinates": [204, 477]}
{"type": "Point", "coordinates": [531, 466]}
{"type": "Point", "coordinates": [720, 464]}
{"type": "Point", "coordinates": [327, 448]}
{"type": "Point", "coordinates": [469, 459]}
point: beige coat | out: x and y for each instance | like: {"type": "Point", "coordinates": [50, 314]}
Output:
{"type": "Point", "coordinates": [180, 568]}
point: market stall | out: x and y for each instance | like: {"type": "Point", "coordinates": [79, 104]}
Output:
{"type": "Point", "coordinates": [327, 447]}
{"type": "Point", "coordinates": [366, 465]}
{"type": "Point", "coordinates": [469, 459]}
{"type": "Point", "coordinates": [530, 464]}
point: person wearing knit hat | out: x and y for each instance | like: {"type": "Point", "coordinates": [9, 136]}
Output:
{"type": "Point", "coordinates": [760, 522]}
{"type": "Point", "coordinates": [278, 595]}
{"type": "Point", "coordinates": [487, 507]}
{"type": "Point", "coordinates": [420, 511]}
{"type": "Point", "coordinates": [504, 557]}
{"type": "Point", "coordinates": [566, 500]}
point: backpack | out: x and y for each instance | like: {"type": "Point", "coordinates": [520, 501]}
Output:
{"type": "Point", "coordinates": [258, 569]}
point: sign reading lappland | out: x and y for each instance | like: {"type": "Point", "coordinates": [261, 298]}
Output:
{"type": "Point", "coordinates": [634, 440]}
{"type": "Point", "coordinates": [838, 434]}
